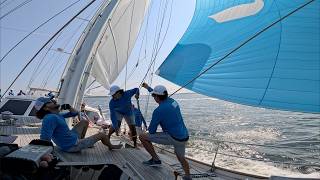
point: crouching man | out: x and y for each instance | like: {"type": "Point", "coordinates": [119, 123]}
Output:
{"type": "Point", "coordinates": [175, 133]}
{"type": "Point", "coordinates": [55, 128]}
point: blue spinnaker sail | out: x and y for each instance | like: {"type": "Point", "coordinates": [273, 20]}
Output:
{"type": "Point", "coordinates": [279, 68]}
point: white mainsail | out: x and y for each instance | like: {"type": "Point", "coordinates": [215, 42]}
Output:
{"type": "Point", "coordinates": [104, 48]}
{"type": "Point", "coordinates": [119, 36]}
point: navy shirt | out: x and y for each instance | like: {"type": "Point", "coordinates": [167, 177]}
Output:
{"type": "Point", "coordinates": [55, 127]}
{"type": "Point", "coordinates": [122, 105]}
{"type": "Point", "coordinates": [168, 116]}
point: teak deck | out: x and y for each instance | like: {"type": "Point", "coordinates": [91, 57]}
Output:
{"type": "Point", "coordinates": [127, 159]}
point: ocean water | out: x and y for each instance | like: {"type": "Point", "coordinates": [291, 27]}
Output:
{"type": "Point", "coordinates": [291, 138]}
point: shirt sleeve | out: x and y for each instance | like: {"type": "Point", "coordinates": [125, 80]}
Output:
{"type": "Point", "coordinates": [48, 126]}
{"type": "Point", "coordinates": [69, 114]}
{"type": "Point", "coordinates": [132, 92]}
{"type": "Point", "coordinates": [155, 121]}
{"type": "Point", "coordinates": [149, 89]}
{"type": "Point", "coordinates": [113, 116]}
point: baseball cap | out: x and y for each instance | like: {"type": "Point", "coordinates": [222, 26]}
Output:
{"type": "Point", "coordinates": [114, 89]}
{"type": "Point", "coordinates": [40, 102]}
{"type": "Point", "coordinates": [159, 90]}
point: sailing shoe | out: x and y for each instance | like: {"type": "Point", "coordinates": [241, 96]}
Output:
{"type": "Point", "coordinates": [152, 162]}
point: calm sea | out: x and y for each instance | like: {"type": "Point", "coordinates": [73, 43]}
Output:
{"type": "Point", "coordinates": [288, 137]}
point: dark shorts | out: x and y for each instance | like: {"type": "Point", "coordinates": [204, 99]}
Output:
{"type": "Point", "coordinates": [129, 119]}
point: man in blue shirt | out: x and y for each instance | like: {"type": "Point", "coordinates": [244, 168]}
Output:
{"type": "Point", "coordinates": [121, 107]}
{"type": "Point", "coordinates": [54, 127]}
{"type": "Point", "coordinates": [175, 133]}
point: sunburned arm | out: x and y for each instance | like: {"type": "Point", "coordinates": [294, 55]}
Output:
{"type": "Point", "coordinates": [145, 85]}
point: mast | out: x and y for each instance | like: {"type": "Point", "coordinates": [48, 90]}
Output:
{"type": "Point", "coordinates": [81, 58]}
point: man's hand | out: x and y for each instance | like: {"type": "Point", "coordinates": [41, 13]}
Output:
{"type": "Point", "coordinates": [136, 96]}
{"type": "Point", "coordinates": [145, 85]}
{"type": "Point", "coordinates": [72, 109]}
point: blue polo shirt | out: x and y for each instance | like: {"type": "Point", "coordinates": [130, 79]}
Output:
{"type": "Point", "coordinates": [168, 116]}
{"type": "Point", "coordinates": [55, 127]}
{"type": "Point", "coordinates": [138, 117]}
{"type": "Point", "coordinates": [122, 105]}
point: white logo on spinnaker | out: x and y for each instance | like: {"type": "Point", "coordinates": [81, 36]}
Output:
{"type": "Point", "coordinates": [238, 12]}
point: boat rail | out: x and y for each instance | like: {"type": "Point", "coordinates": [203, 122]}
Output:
{"type": "Point", "coordinates": [219, 143]}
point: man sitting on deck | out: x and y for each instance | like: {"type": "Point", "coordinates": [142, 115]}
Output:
{"type": "Point", "coordinates": [55, 127]}
{"type": "Point", "coordinates": [121, 107]}
{"type": "Point", "coordinates": [175, 133]}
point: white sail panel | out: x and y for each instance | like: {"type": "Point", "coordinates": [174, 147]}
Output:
{"type": "Point", "coordinates": [117, 39]}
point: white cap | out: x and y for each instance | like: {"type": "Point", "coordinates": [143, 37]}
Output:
{"type": "Point", "coordinates": [114, 89]}
{"type": "Point", "coordinates": [40, 102]}
{"type": "Point", "coordinates": [159, 90]}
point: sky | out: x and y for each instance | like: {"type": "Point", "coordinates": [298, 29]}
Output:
{"type": "Point", "coordinates": [17, 24]}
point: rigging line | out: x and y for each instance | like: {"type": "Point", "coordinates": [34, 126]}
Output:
{"type": "Point", "coordinates": [128, 47]}
{"type": "Point", "coordinates": [99, 6]}
{"type": "Point", "coordinates": [144, 36]}
{"type": "Point", "coordinates": [22, 30]}
{"type": "Point", "coordinates": [13, 47]}
{"type": "Point", "coordinates": [241, 45]}
{"type": "Point", "coordinates": [158, 49]}
{"type": "Point", "coordinates": [66, 42]}
{"type": "Point", "coordinates": [65, 25]}
{"type": "Point", "coordinates": [276, 60]}
{"type": "Point", "coordinates": [3, 2]}
{"type": "Point", "coordinates": [91, 84]}
{"type": "Point", "coordinates": [169, 22]}
{"type": "Point", "coordinates": [94, 88]}
{"type": "Point", "coordinates": [35, 71]}
{"type": "Point", "coordinates": [59, 59]}
{"type": "Point", "coordinates": [7, 4]}
{"type": "Point", "coordinates": [162, 22]}
{"type": "Point", "coordinates": [161, 42]}
{"type": "Point", "coordinates": [16, 8]}
{"type": "Point", "coordinates": [154, 41]}
{"type": "Point", "coordinates": [159, 25]}
{"type": "Point", "coordinates": [155, 55]}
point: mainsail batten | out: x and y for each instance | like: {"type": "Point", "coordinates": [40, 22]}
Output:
{"type": "Point", "coordinates": [277, 69]}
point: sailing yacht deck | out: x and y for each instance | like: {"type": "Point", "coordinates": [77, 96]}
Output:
{"type": "Point", "coordinates": [127, 159]}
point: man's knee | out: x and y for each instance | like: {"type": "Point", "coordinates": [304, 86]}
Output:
{"type": "Point", "coordinates": [101, 135]}
{"type": "Point", "coordinates": [143, 137]}
{"type": "Point", "coordinates": [84, 123]}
